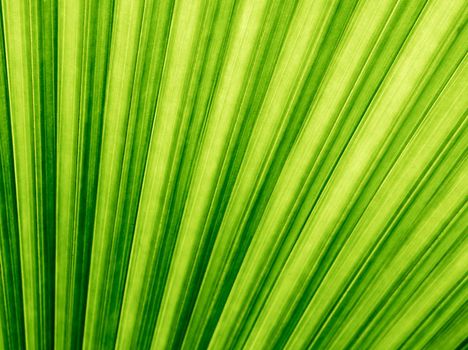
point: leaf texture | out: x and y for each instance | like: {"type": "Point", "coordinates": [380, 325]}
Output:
{"type": "Point", "coordinates": [188, 174]}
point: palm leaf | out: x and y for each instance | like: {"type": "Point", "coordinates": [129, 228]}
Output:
{"type": "Point", "coordinates": [187, 174]}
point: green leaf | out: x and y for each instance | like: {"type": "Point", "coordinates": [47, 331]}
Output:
{"type": "Point", "coordinates": [186, 174]}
